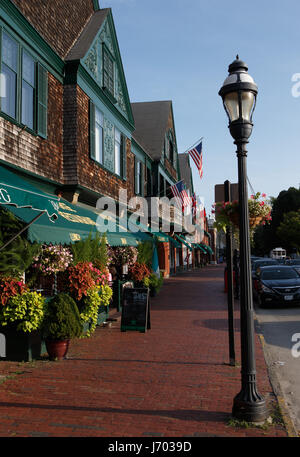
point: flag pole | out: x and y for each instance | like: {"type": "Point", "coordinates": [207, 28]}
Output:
{"type": "Point", "coordinates": [193, 145]}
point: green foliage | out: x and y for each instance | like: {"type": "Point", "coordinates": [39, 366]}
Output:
{"type": "Point", "coordinates": [26, 310]}
{"type": "Point", "coordinates": [89, 306]}
{"type": "Point", "coordinates": [268, 238]}
{"type": "Point", "coordinates": [62, 320]}
{"type": "Point", "coordinates": [19, 254]}
{"type": "Point", "coordinates": [89, 309]}
{"type": "Point", "coordinates": [145, 253]}
{"type": "Point", "coordinates": [105, 293]}
{"type": "Point", "coordinates": [289, 230]}
{"type": "Point", "coordinates": [91, 249]}
{"type": "Point", "coordinates": [153, 282]}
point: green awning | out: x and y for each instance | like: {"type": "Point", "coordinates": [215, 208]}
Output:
{"type": "Point", "coordinates": [18, 193]}
{"type": "Point", "coordinates": [181, 240]}
{"type": "Point", "coordinates": [75, 223]}
{"type": "Point", "coordinates": [207, 248]}
{"type": "Point", "coordinates": [198, 246]}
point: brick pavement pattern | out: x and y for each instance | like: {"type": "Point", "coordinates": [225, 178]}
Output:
{"type": "Point", "coordinates": [172, 381]}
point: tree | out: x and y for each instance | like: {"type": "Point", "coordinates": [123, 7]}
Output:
{"type": "Point", "coordinates": [289, 230]}
{"type": "Point", "coordinates": [18, 255]}
{"type": "Point", "coordinates": [267, 237]}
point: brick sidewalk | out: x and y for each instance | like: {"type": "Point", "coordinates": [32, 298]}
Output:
{"type": "Point", "coordinates": [172, 381]}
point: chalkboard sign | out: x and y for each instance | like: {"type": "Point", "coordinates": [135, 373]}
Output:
{"type": "Point", "coordinates": [135, 310]}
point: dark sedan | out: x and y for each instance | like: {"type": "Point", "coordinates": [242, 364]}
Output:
{"type": "Point", "coordinates": [258, 264]}
{"type": "Point", "coordinates": [277, 285]}
{"type": "Point", "coordinates": [295, 263]}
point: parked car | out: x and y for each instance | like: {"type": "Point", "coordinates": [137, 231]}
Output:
{"type": "Point", "coordinates": [277, 285]}
{"type": "Point", "coordinates": [265, 261]}
{"type": "Point", "coordinates": [294, 263]}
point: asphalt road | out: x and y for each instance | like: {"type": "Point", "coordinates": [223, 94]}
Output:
{"type": "Point", "coordinates": [280, 328]}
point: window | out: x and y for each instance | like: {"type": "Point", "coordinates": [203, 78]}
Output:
{"type": "Point", "coordinates": [171, 151]}
{"type": "Point", "coordinates": [28, 87]}
{"type": "Point", "coordinates": [161, 186]}
{"type": "Point", "coordinates": [107, 143]}
{"type": "Point", "coordinates": [108, 71]}
{"type": "Point", "coordinates": [98, 136]}
{"type": "Point", "coordinates": [118, 152]}
{"type": "Point", "coordinates": [9, 68]}
{"type": "Point", "coordinates": [139, 177]}
{"type": "Point", "coordinates": [24, 86]}
{"type": "Point", "coordinates": [149, 182]}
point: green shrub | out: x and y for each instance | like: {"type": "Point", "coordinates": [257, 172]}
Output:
{"type": "Point", "coordinates": [62, 320]}
{"type": "Point", "coordinates": [25, 310]}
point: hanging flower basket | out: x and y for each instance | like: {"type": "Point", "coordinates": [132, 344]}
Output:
{"type": "Point", "coordinates": [227, 213]}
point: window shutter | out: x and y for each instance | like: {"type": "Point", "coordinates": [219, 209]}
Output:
{"type": "Point", "coordinates": [135, 175]}
{"type": "Point", "coordinates": [142, 179]}
{"type": "Point", "coordinates": [92, 130]}
{"type": "Point", "coordinates": [42, 99]}
{"type": "Point", "coordinates": [124, 156]}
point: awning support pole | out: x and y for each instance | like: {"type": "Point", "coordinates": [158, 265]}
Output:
{"type": "Point", "coordinates": [21, 231]}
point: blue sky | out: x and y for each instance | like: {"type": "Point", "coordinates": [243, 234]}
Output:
{"type": "Point", "coordinates": [180, 50]}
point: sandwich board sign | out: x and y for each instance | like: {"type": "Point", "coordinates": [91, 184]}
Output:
{"type": "Point", "coordinates": [135, 310]}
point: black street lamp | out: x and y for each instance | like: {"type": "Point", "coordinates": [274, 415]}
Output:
{"type": "Point", "coordinates": [239, 93]}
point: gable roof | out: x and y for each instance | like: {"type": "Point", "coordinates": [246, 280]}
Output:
{"type": "Point", "coordinates": [151, 122]}
{"type": "Point", "coordinates": [185, 170]}
{"type": "Point", "coordinates": [87, 36]}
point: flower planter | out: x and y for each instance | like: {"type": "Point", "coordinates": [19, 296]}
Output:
{"type": "Point", "coordinates": [102, 314]}
{"type": "Point", "coordinates": [57, 349]}
{"type": "Point", "coordinates": [17, 346]}
{"type": "Point", "coordinates": [253, 221]}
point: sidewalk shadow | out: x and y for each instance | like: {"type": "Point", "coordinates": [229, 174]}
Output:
{"type": "Point", "coordinates": [161, 362]}
{"type": "Point", "coordinates": [218, 324]}
{"type": "Point", "coordinates": [185, 414]}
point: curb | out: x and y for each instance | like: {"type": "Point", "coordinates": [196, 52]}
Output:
{"type": "Point", "coordinates": [288, 422]}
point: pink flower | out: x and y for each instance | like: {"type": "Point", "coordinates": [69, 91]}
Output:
{"type": "Point", "coordinates": [263, 195]}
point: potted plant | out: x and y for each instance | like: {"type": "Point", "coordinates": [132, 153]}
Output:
{"type": "Point", "coordinates": [227, 213]}
{"type": "Point", "coordinates": [153, 283]}
{"type": "Point", "coordinates": [138, 273]}
{"type": "Point", "coordinates": [52, 260]}
{"type": "Point", "coordinates": [61, 324]}
{"type": "Point", "coordinates": [21, 316]}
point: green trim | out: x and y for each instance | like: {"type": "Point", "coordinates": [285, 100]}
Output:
{"type": "Point", "coordinates": [118, 61]}
{"type": "Point", "coordinates": [38, 84]}
{"type": "Point", "coordinates": [96, 5]}
{"type": "Point", "coordinates": [164, 172]}
{"type": "Point", "coordinates": [27, 34]}
{"type": "Point", "coordinates": [93, 91]}
{"type": "Point", "coordinates": [184, 242]}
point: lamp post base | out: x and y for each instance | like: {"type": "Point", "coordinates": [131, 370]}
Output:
{"type": "Point", "coordinates": [249, 410]}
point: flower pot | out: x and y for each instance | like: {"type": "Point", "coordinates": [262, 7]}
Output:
{"type": "Point", "coordinates": [235, 219]}
{"type": "Point", "coordinates": [153, 292]}
{"type": "Point", "coordinates": [57, 349]}
{"type": "Point", "coordinates": [102, 314]}
{"type": "Point", "coordinates": [254, 221]}
{"type": "Point", "coordinates": [18, 346]}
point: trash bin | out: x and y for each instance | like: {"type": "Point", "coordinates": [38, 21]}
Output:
{"type": "Point", "coordinates": [225, 280]}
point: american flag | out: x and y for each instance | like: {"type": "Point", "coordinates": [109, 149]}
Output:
{"type": "Point", "coordinates": [196, 154]}
{"type": "Point", "coordinates": [180, 193]}
{"type": "Point", "coordinates": [194, 204]}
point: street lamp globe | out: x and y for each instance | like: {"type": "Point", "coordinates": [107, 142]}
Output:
{"type": "Point", "coordinates": [239, 93]}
